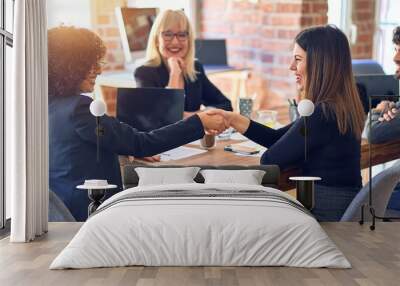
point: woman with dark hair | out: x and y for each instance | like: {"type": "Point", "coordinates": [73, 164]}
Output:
{"type": "Point", "coordinates": [75, 59]}
{"type": "Point", "coordinates": [322, 67]}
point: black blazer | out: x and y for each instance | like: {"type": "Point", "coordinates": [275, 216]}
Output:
{"type": "Point", "coordinates": [199, 92]}
{"type": "Point", "coordinates": [72, 147]}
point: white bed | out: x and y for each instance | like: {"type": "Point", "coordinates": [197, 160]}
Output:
{"type": "Point", "coordinates": [201, 224]}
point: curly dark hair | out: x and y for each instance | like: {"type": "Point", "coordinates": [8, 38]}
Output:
{"type": "Point", "coordinates": [72, 53]}
{"type": "Point", "coordinates": [396, 36]}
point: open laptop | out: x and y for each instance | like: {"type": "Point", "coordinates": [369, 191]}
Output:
{"type": "Point", "coordinates": [212, 54]}
{"type": "Point", "coordinates": [147, 109]}
{"type": "Point", "coordinates": [376, 84]}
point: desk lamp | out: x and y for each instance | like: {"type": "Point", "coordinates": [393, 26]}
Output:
{"type": "Point", "coordinates": [305, 185]}
{"type": "Point", "coordinates": [98, 109]}
{"type": "Point", "coordinates": [305, 109]}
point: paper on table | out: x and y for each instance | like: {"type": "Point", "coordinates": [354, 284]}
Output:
{"type": "Point", "coordinates": [180, 153]}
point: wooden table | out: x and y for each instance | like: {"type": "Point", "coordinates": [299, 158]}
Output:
{"type": "Point", "coordinates": [381, 153]}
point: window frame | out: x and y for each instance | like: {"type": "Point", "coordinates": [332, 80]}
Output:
{"type": "Point", "coordinates": [6, 39]}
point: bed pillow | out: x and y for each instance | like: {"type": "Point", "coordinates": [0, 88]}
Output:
{"type": "Point", "coordinates": [248, 177]}
{"type": "Point", "coordinates": [166, 176]}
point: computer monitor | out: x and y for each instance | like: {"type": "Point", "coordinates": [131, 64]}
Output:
{"type": "Point", "coordinates": [377, 84]}
{"type": "Point", "coordinates": [147, 109]}
{"type": "Point", "coordinates": [211, 52]}
{"type": "Point", "coordinates": [134, 26]}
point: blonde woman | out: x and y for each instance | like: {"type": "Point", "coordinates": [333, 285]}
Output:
{"type": "Point", "coordinates": [170, 62]}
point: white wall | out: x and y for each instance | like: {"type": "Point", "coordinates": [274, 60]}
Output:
{"type": "Point", "coordinates": [69, 12]}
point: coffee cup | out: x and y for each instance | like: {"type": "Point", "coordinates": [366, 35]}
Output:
{"type": "Point", "coordinates": [208, 141]}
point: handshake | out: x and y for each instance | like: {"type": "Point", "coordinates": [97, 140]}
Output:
{"type": "Point", "coordinates": [216, 121]}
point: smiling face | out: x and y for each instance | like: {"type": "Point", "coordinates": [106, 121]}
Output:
{"type": "Point", "coordinates": [396, 60]}
{"type": "Point", "coordinates": [173, 42]}
{"type": "Point", "coordinates": [298, 66]}
{"type": "Point", "coordinates": [87, 85]}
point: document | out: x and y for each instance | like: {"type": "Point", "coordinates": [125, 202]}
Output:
{"type": "Point", "coordinates": [180, 153]}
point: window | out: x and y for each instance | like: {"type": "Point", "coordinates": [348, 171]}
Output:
{"type": "Point", "coordinates": [339, 14]}
{"type": "Point", "coordinates": [6, 43]}
{"type": "Point", "coordinates": [387, 19]}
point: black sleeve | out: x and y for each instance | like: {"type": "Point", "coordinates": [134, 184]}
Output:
{"type": "Point", "coordinates": [122, 139]}
{"type": "Point", "coordinates": [212, 96]}
{"type": "Point", "coordinates": [289, 149]}
{"type": "Point", "coordinates": [147, 77]}
{"type": "Point", "coordinates": [264, 135]}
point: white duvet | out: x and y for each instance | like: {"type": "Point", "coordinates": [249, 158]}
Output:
{"type": "Point", "coordinates": [188, 231]}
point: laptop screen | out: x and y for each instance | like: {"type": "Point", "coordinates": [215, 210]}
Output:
{"type": "Point", "coordinates": [147, 109]}
{"type": "Point", "coordinates": [211, 52]}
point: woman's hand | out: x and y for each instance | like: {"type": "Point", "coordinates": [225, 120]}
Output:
{"type": "Point", "coordinates": [235, 120]}
{"type": "Point", "coordinates": [176, 68]}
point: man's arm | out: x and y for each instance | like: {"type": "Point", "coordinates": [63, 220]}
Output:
{"type": "Point", "coordinates": [385, 123]}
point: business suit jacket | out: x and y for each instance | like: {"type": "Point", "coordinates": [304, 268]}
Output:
{"type": "Point", "coordinates": [72, 147]}
{"type": "Point", "coordinates": [197, 93]}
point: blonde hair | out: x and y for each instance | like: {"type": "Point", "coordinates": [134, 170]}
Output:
{"type": "Point", "coordinates": [163, 22]}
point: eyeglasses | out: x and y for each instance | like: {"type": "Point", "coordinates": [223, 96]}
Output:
{"type": "Point", "coordinates": [169, 36]}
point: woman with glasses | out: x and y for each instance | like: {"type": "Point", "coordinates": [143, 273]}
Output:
{"type": "Point", "coordinates": [75, 58]}
{"type": "Point", "coordinates": [170, 63]}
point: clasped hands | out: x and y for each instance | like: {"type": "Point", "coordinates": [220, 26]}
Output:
{"type": "Point", "coordinates": [216, 121]}
{"type": "Point", "coordinates": [388, 110]}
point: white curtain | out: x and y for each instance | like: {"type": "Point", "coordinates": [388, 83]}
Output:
{"type": "Point", "coordinates": [26, 123]}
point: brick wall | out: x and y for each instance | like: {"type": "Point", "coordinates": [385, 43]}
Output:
{"type": "Point", "coordinates": [363, 16]}
{"type": "Point", "coordinates": [104, 23]}
{"type": "Point", "coordinates": [260, 36]}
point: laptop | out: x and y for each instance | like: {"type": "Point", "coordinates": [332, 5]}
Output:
{"type": "Point", "coordinates": [212, 54]}
{"type": "Point", "coordinates": [147, 109]}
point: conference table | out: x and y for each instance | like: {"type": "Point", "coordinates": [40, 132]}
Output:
{"type": "Point", "coordinates": [380, 153]}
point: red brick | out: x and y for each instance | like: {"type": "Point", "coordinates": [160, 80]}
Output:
{"type": "Point", "coordinates": [267, 7]}
{"type": "Point", "coordinates": [248, 30]}
{"type": "Point", "coordinates": [267, 58]}
{"type": "Point", "coordinates": [279, 20]}
{"type": "Point", "coordinates": [287, 34]}
{"type": "Point", "coordinates": [320, 7]}
{"type": "Point", "coordinates": [267, 33]}
{"type": "Point", "coordinates": [277, 46]}
{"type": "Point", "coordinates": [288, 8]}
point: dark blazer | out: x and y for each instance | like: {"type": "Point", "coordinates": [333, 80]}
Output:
{"type": "Point", "coordinates": [332, 156]}
{"type": "Point", "coordinates": [72, 147]}
{"type": "Point", "coordinates": [199, 92]}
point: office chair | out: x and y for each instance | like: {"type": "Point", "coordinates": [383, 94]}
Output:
{"type": "Point", "coordinates": [383, 185]}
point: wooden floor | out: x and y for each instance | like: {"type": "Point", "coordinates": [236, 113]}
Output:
{"type": "Point", "coordinates": [375, 257]}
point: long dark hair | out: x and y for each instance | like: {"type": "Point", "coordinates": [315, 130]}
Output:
{"type": "Point", "coordinates": [330, 80]}
{"type": "Point", "coordinates": [72, 53]}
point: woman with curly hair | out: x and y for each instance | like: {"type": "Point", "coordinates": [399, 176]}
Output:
{"type": "Point", "coordinates": [75, 57]}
